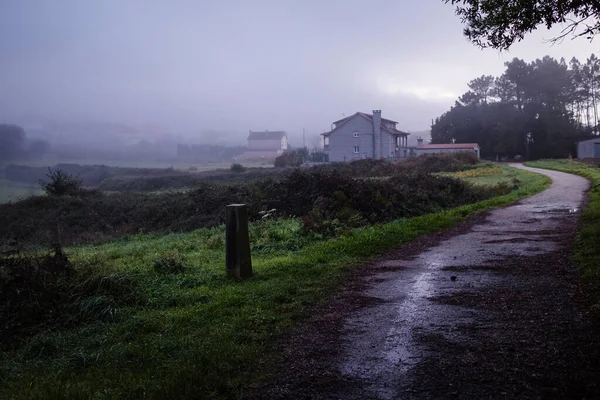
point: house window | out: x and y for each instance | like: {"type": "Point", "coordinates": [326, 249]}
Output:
{"type": "Point", "coordinates": [356, 150]}
{"type": "Point", "coordinates": [356, 134]}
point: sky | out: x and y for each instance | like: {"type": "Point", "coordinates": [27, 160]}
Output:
{"type": "Point", "coordinates": [236, 65]}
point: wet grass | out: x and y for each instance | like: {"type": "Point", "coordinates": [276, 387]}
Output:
{"type": "Point", "coordinates": [487, 174]}
{"type": "Point", "coordinates": [586, 254]}
{"type": "Point", "coordinates": [188, 332]}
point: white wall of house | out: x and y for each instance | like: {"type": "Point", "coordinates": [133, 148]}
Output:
{"type": "Point", "coordinates": [589, 148]}
{"type": "Point", "coordinates": [342, 142]}
{"type": "Point", "coordinates": [371, 143]}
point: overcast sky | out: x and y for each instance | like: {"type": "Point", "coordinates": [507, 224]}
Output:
{"type": "Point", "coordinates": [239, 65]}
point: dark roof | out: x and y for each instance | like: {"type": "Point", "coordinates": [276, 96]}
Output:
{"type": "Point", "coordinates": [449, 146]}
{"type": "Point", "coordinates": [367, 116]}
{"type": "Point", "coordinates": [266, 135]}
{"type": "Point", "coordinates": [370, 118]}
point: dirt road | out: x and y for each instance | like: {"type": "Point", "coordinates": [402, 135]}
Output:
{"type": "Point", "coordinates": [491, 309]}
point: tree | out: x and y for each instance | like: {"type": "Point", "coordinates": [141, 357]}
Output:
{"type": "Point", "coordinates": [537, 109]}
{"type": "Point", "coordinates": [500, 23]}
{"type": "Point", "coordinates": [481, 90]}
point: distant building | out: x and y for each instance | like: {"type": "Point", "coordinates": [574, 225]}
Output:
{"type": "Point", "coordinates": [589, 148]}
{"type": "Point", "coordinates": [446, 148]}
{"type": "Point", "coordinates": [264, 146]}
{"type": "Point", "coordinates": [362, 136]}
{"type": "Point", "coordinates": [268, 140]}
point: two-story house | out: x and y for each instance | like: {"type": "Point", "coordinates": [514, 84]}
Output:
{"type": "Point", "coordinates": [362, 136]}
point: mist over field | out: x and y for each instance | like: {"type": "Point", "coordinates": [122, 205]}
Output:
{"type": "Point", "coordinates": [134, 78]}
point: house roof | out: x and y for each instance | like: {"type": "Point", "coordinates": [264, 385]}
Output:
{"type": "Point", "coordinates": [449, 146]}
{"type": "Point", "coordinates": [593, 140]}
{"type": "Point", "coordinates": [369, 117]}
{"type": "Point", "coordinates": [266, 135]}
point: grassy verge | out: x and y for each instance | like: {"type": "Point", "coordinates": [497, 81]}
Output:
{"type": "Point", "coordinates": [587, 255]}
{"type": "Point", "coordinates": [487, 174]}
{"type": "Point", "coordinates": [187, 332]}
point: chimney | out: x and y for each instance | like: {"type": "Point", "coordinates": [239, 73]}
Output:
{"type": "Point", "coordinates": [377, 139]}
{"type": "Point", "coordinates": [419, 141]}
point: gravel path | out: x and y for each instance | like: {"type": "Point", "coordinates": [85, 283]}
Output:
{"type": "Point", "coordinates": [490, 309]}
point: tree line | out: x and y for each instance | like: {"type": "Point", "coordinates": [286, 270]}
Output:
{"type": "Point", "coordinates": [15, 145]}
{"type": "Point", "coordinates": [536, 110]}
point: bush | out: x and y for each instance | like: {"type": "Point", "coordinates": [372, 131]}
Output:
{"type": "Point", "coordinates": [237, 168]}
{"type": "Point", "coordinates": [319, 195]}
{"type": "Point", "coordinates": [61, 183]}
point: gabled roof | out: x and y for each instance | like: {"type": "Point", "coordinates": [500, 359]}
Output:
{"type": "Point", "coordinates": [369, 117]}
{"type": "Point", "coordinates": [267, 135]}
{"type": "Point", "coordinates": [449, 146]}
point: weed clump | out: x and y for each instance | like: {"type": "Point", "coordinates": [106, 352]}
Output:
{"type": "Point", "coordinates": [169, 265]}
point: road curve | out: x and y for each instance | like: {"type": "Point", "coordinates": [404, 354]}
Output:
{"type": "Point", "coordinates": [382, 346]}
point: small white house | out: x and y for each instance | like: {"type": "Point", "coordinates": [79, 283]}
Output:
{"type": "Point", "coordinates": [267, 140]}
{"type": "Point", "coordinates": [364, 135]}
{"type": "Point", "coordinates": [447, 148]}
{"type": "Point", "coordinates": [589, 148]}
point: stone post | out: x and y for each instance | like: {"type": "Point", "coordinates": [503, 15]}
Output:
{"type": "Point", "coordinates": [237, 245]}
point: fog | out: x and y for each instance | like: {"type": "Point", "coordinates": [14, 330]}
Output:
{"type": "Point", "coordinates": [211, 70]}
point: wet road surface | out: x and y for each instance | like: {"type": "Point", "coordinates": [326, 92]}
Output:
{"type": "Point", "coordinates": [381, 347]}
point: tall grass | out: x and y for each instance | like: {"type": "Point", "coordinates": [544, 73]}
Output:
{"type": "Point", "coordinates": [192, 333]}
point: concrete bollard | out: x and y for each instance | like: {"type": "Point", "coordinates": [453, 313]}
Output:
{"type": "Point", "coordinates": [238, 263]}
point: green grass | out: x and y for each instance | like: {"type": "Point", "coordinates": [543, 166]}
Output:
{"type": "Point", "coordinates": [196, 334]}
{"type": "Point", "coordinates": [587, 253]}
{"type": "Point", "coordinates": [486, 174]}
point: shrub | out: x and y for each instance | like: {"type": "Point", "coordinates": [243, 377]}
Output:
{"type": "Point", "coordinates": [237, 168]}
{"type": "Point", "coordinates": [387, 191]}
{"type": "Point", "coordinates": [61, 183]}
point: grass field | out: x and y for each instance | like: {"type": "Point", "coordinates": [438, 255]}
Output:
{"type": "Point", "coordinates": [175, 164]}
{"type": "Point", "coordinates": [587, 252]}
{"type": "Point", "coordinates": [487, 174]}
{"type": "Point", "coordinates": [13, 191]}
{"type": "Point", "coordinates": [195, 334]}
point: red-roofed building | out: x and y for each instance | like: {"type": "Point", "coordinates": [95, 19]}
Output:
{"type": "Point", "coordinates": [447, 148]}
{"type": "Point", "coordinates": [362, 136]}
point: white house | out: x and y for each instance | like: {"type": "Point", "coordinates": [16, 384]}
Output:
{"type": "Point", "coordinates": [268, 140]}
{"type": "Point", "coordinates": [446, 148]}
{"type": "Point", "coordinates": [589, 148]}
{"type": "Point", "coordinates": [264, 146]}
{"type": "Point", "coordinates": [365, 136]}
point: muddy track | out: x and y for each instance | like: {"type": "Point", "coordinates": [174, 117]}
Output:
{"type": "Point", "coordinates": [489, 309]}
